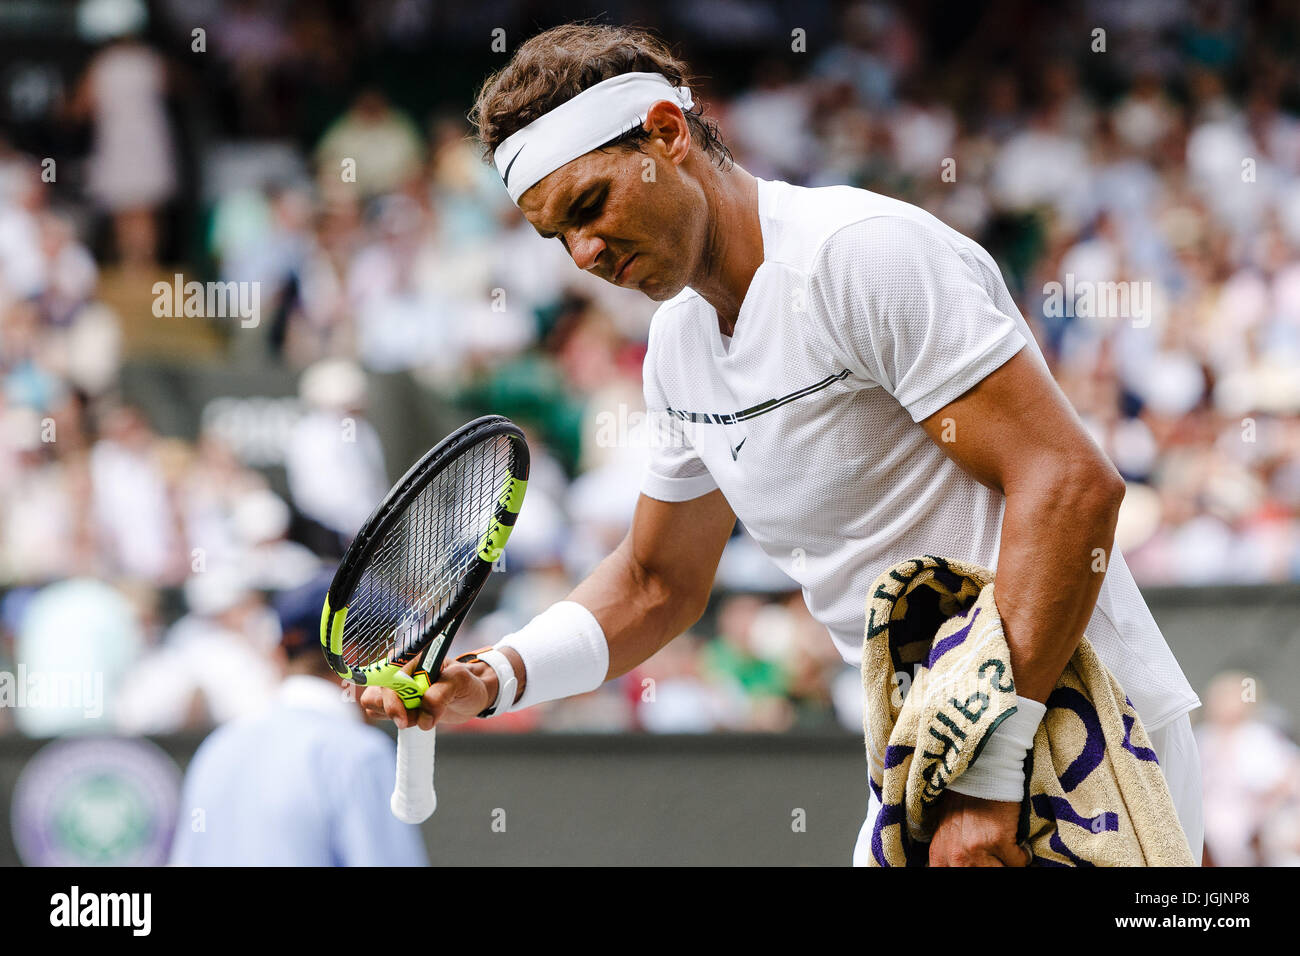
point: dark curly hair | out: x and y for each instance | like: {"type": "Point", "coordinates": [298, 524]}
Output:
{"type": "Point", "coordinates": [558, 64]}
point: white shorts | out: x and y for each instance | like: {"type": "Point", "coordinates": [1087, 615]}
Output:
{"type": "Point", "coordinates": [1179, 760]}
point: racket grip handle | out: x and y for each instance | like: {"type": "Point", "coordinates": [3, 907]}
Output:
{"type": "Point", "coordinates": [413, 798]}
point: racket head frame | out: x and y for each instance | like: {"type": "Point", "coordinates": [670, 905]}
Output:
{"type": "Point", "coordinates": [390, 672]}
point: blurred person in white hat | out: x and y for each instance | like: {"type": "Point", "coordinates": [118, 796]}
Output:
{"type": "Point", "coordinates": [334, 461]}
{"type": "Point", "coordinates": [133, 507]}
{"type": "Point", "coordinates": [214, 665]}
{"type": "Point", "coordinates": [271, 561]}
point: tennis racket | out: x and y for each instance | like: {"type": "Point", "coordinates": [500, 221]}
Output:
{"type": "Point", "coordinates": [411, 574]}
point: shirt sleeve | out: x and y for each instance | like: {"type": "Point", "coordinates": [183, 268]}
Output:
{"type": "Point", "coordinates": [675, 472]}
{"type": "Point", "coordinates": [904, 308]}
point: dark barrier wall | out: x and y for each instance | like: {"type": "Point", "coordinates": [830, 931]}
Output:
{"type": "Point", "coordinates": [649, 801]}
{"type": "Point", "coordinates": [1250, 629]}
{"type": "Point", "coordinates": [618, 800]}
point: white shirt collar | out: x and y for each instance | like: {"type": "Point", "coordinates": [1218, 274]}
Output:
{"type": "Point", "coordinates": [316, 693]}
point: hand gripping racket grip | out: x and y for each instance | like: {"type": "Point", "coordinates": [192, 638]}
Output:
{"type": "Point", "coordinates": [414, 799]}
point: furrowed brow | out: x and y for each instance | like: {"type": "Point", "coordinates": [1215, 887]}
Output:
{"type": "Point", "coordinates": [551, 234]}
{"type": "Point", "coordinates": [571, 207]}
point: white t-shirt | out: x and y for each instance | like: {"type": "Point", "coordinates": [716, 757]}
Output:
{"type": "Point", "coordinates": [866, 316]}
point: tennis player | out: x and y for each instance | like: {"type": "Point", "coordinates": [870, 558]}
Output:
{"type": "Point", "coordinates": [843, 373]}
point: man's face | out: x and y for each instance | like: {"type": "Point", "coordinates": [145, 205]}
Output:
{"type": "Point", "coordinates": [630, 217]}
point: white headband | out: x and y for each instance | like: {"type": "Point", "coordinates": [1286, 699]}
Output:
{"type": "Point", "coordinates": [595, 116]}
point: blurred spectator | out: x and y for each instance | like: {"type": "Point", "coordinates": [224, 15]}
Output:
{"type": "Point", "coordinates": [747, 656]}
{"type": "Point", "coordinates": [45, 522]}
{"type": "Point", "coordinates": [1251, 773]}
{"type": "Point", "coordinates": [304, 784]}
{"type": "Point", "coordinates": [874, 45]}
{"type": "Point", "coordinates": [776, 102]}
{"type": "Point", "coordinates": [334, 461]}
{"type": "Point", "coordinates": [132, 168]}
{"type": "Point", "coordinates": [270, 561]}
{"type": "Point", "coordinates": [133, 504]}
{"type": "Point", "coordinates": [372, 145]}
{"type": "Point", "coordinates": [673, 696]}
{"type": "Point", "coordinates": [77, 642]}
{"type": "Point", "coordinates": [213, 665]}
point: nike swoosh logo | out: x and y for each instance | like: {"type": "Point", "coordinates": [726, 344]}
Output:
{"type": "Point", "coordinates": [505, 177]}
{"type": "Point", "coordinates": [735, 452]}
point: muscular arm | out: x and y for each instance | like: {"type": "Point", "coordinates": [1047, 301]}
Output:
{"type": "Point", "coordinates": [653, 587]}
{"type": "Point", "coordinates": [656, 584]}
{"type": "Point", "coordinates": [1016, 433]}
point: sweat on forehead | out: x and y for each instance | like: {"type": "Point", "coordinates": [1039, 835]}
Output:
{"type": "Point", "coordinates": [559, 195]}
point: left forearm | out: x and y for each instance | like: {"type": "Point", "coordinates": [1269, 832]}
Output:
{"type": "Point", "coordinates": [1016, 433]}
{"type": "Point", "coordinates": [1057, 535]}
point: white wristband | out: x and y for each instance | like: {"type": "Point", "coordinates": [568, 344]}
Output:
{"type": "Point", "coordinates": [564, 653]}
{"type": "Point", "coordinates": [999, 771]}
{"type": "Point", "coordinates": [506, 683]}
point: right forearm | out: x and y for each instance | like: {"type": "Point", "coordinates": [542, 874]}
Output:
{"type": "Point", "coordinates": [653, 587]}
{"type": "Point", "coordinates": [638, 611]}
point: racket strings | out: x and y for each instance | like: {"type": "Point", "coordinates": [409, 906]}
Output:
{"type": "Point", "coordinates": [413, 578]}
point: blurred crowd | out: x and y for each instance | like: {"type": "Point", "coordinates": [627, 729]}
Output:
{"type": "Point", "coordinates": [1164, 162]}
